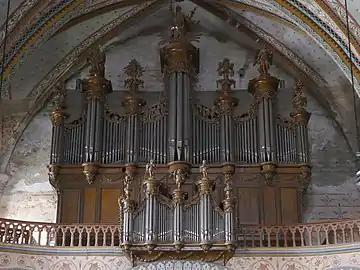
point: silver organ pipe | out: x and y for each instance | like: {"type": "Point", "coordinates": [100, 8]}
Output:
{"type": "Point", "coordinates": [58, 117]}
{"type": "Point", "coordinates": [246, 138]}
{"type": "Point", "coordinates": [285, 142]}
{"type": "Point", "coordinates": [74, 141]}
{"type": "Point", "coordinates": [300, 119]}
{"type": "Point", "coordinates": [96, 87]}
{"type": "Point", "coordinates": [264, 90]}
{"type": "Point", "coordinates": [206, 135]}
{"type": "Point", "coordinates": [114, 134]}
{"type": "Point", "coordinates": [153, 134]}
{"type": "Point", "coordinates": [191, 225]}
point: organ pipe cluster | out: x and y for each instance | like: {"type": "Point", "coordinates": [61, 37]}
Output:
{"type": "Point", "coordinates": [158, 220]}
{"type": "Point", "coordinates": [178, 129]}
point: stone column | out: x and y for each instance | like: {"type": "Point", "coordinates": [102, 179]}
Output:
{"type": "Point", "coordinates": [96, 87]}
{"type": "Point", "coordinates": [226, 104]}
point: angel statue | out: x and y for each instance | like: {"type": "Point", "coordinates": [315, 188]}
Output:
{"type": "Point", "coordinates": [150, 169]}
{"type": "Point", "coordinates": [179, 24]}
{"type": "Point", "coordinates": [264, 59]}
{"type": "Point", "coordinates": [179, 176]}
{"type": "Point", "coordinates": [127, 182]}
{"type": "Point", "coordinates": [96, 61]}
{"type": "Point", "coordinates": [204, 170]}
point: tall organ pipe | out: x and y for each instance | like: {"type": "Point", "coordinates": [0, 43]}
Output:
{"type": "Point", "coordinates": [264, 89]}
{"type": "Point", "coordinates": [133, 105]}
{"type": "Point", "coordinates": [179, 63]}
{"type": "Point", "coordinates": [300, 119]}
{"type": "Point", "coordinates": [96, 87]}
{"type": "Point", "coordinates": [58, 117]}
{"type": "Point", "coordinates": [226, 103]}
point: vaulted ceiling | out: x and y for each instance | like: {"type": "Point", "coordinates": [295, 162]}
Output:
{"type": "Point", "coordinates": [47, 41]}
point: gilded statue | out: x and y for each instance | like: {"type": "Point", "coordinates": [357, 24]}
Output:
{"type": "Point", "coordinates": [150, 169]}
{"type": "Point", "coordinates": [179, 177]}
{"type": "Point", "coordinates": [264, 59]}
{"type": "Point", "coordinates": [96, 61]}
{"type": "Point", "coordinates": [204, 169]}
{"type": "Point", "coordinates": [127, 182]}
{"type": "Point", "coordinates": [60, 95]}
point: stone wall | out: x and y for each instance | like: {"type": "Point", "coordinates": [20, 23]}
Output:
{"type": "Point", "coordinates": [332, 195]}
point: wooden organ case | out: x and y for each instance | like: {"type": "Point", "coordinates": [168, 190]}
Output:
{"type": "Point", "coordinates": [268, 157]}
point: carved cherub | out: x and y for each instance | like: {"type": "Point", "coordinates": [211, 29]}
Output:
{"type": "Point", "coordinates": [263, 58]}
{"type": "Point", "coordinates": [204, 169]}
{"type": "Point", "coordinates": [150, 169]}
{"type": "Point", "coordinates": [127, 182]}
{"type": "Point", "coordinates": [96, 60]}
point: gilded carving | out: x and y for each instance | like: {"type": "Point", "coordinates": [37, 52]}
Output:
{"type": "Point", "coordinates": [96, 60]}
{"type": "Point", "coordinates": [132, 102]}
{"type": "Point", "coordinates": [90, 171]}
{"type": "Point", "coordinates": [226, 101]}
{"type": "Point", "coordinates": [54, 170]}
{"type": "Point", "coordinates": [299, 116]}
{"type": "Point", "coordinates": [264, 60]}
{"type": "Point", "coordinates": [59, 104]}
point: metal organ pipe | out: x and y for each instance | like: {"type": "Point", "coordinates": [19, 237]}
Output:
{"type": "Point", "coordinates": [264, 89]}
{"type": "Point", "coordinates": [96, 87]}
{"type": "Point", "coordinates": [226, 103]}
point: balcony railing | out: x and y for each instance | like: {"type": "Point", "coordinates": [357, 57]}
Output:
{"type": "Point", "coordinates": [18, 232]}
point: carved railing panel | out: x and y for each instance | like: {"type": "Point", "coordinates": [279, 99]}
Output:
{"type": "Point", "coordinates": [114, 134]}
{"type": "Point", "coordinates": [74, 141]}
{"type": "Point", "coordinates": [206, 135]}
{"type": "Point", "coordinates": [153, 138]}
{"type": "Point", "coordinates": [94, 235]}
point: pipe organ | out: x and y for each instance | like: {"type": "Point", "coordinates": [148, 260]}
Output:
{"type": "Point", "coordinates": [209, 169]}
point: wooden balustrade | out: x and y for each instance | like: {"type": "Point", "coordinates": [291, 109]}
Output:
{"type": "Point", "coordinates": [94, 235]}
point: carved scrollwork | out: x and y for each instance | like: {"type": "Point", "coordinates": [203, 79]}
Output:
{"type": "Point", "coordinates": [210, 115]}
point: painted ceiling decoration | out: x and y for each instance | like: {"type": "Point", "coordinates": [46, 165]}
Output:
{"type": "Point", "coordinates": [56, 14]}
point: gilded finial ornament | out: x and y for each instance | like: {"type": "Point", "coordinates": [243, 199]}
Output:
{"type": "Point", "coordinates": [150, 169]}
{"type": "Point", "coordinates": [299, 115]}
{"type": "Point", "coordinates": [132, 102]}
{"type": "Point", "coordinates": [59, 104]}
{"type": "Point", "coordinates": [226, 101]}
{"type": "Point", "coordinates": [96, 60]}
{"type": "Point", "coordinates": [204, 170]}
{"type": "Point", "coordinates": [128, 179]}
{"type": "Point", "coordinates": [264, 60]}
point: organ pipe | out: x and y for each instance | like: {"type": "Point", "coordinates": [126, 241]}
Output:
{"type": "Point", "coordinates": [264, 89]}
{"type": "Point", "coordinates": [300, 119]}
{"type": "Point", "coordinates": [58, 117]}
{"type": "Point", "coordinates": [96, 87]}
{"type": "Point", "coordinates": [179, 63]}
{"type": "Point", "coordinates": [226, 104]}
{"type": "Point", "coordinates": [133, 105]}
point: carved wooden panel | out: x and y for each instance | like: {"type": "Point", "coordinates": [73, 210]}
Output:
{"type": "Point", "coordinates": [289, 206]}
{"type": "Point", "coordinates": [89, 205]}
{"type": "Point", "coordinates": [109, 212]}
{"type": "Point", "coordinates": [248, 205]}
{"type": "Point", "coordinates": [70, 206]}
{"type": "Point", "coordinates": [269, 208]}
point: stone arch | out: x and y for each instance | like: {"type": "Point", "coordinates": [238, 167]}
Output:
{"type": "Point", "coordinates": [181, 265]}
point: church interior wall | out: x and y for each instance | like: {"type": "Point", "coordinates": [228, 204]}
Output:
{"type": "Point", "coordinates": [332, 194]}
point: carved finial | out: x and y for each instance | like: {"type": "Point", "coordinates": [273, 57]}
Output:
{"type": "Point", "coordinates": [96, 60]}
{"type": "Point", "coordinates": [299, 100]}
{"type": "Point", "coordinates": [299, 114]}
{"type": "Point", "coordinates": [134, 71]}
{"type": "Point", "coordinates": [132, 102]}
{"type": "Point", "coordinates": [150, 169]}
{"type": "Point", "coordinates": [226, 102]}
{"type": "Point", "coordinates": [180, 176]}
{"type": "Point", "coordinates": [204, 169]}
{"type": "Point", "coordinates": [226, 70]}
{"type": "Point", "coordinates": [264, 59]}
{"type": "Point", "coordinates": [60, 97]}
